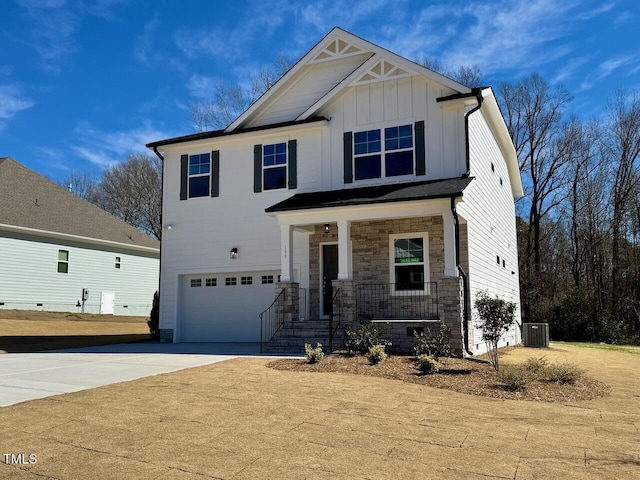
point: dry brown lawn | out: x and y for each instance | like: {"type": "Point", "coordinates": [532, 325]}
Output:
{"type": "Point", "coordinates": [31, 331]}
{"type": "Point", "coordinates": [239, 419]}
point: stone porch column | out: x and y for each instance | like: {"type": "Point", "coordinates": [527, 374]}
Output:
{"type": "Point", "coordinates": [347, 309]}
{"type": "Point", "coordinates": [290, 305]}
{"type": "Point", "coordinates": [451, 311]}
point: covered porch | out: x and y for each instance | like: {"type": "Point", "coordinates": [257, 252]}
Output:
{"type": "Point", "coordinates": [386, 254]}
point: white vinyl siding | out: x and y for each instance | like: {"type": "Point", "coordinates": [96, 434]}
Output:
{"type": "Point", "coordinates": [30, 276]}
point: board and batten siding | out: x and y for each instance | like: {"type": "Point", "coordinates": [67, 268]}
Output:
{"type": "Point", "coordinates": [205, 229]}
{"type": "Point", "coordinates": [489, 211]}
{"type": "Point", "coordinates": [29, 276]}
{"type": "Point", "coordinates": [391, 103]}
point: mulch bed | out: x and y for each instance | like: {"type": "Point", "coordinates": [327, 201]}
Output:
{"type": "Point", "coordinates": [460, 375]}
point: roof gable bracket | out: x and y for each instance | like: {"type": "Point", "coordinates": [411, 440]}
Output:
{"type": "Point", "coordinates": [337, 48]}
{"type": "Point", "coordinates": [381, 71]}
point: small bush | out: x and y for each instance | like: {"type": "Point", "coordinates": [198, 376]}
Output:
{"type": "Point", "coordinates": [563, 373]}
{"type": "Point", "coordinates": [435, 345]}
{"type": "Point", "coordinates": [154, 317]}
{"type": "Point", "coordinates": [376, 354]}
{"type": "Point", "coordinates": [314, 355]}
{"type": "Point", "coordinates": [361, 340]}
{"type": "Point", "coordinates": [537, 366]}
{"type": "Point", "coordinates": [428, 364]}
{"type": "Point", "coordinates": [516, 377]}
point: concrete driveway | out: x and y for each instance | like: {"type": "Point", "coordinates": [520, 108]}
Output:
{"type": "Point", "coordinates": [28, 376]}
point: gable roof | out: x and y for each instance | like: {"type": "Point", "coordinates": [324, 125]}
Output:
{"type": "Point", "coordinates": [398, 192]}
{"type": "Point", "coordinates": [372, 63]}
{"type": "Point", "coordinates": [35, 204]}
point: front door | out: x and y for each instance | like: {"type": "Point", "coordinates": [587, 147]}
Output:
{"type": "Point", "coordinates": [329, 272]}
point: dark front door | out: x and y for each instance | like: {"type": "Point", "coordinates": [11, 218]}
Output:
{"type": "Point", "coordinates": [329, 273]}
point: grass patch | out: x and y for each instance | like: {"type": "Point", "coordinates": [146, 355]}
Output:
{"type": "Point", "coordinates": [633, 349]}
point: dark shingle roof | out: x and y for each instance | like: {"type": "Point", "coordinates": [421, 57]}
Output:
{"type": "Point", "coordinates": [29, 200]}
{"type": "Point", "coordinates": [399, 192]}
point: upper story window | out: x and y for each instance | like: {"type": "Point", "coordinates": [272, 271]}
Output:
{"type": "Point", "coordinates": [199, 171]}
{"type": "Point", "coordinates": [200, 175]}
{"type": "Point", "coordinates": [274, 166]}
{"type": "Point", "coordinates": [370, 148]}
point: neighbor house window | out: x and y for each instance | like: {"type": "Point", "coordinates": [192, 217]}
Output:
{"type": "Point", "coordinates": [199, 171]}
{"type": "Point", "coordinates": [409, 261]}
{"type": "Point", "coordinates": [63, 261]}
{"type": "Point", "coordinates": [117, 262]}
{"type": "Point", "coordinates": [274, 166]}
{"type": "Point", "coordinates": [395, 147]}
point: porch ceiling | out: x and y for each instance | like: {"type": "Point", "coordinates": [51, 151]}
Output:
{"type": "Point", "coordinates": [399, 192]}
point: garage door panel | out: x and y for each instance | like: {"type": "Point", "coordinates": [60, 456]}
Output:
{"type": "Point", "coordinates": [224, 313]}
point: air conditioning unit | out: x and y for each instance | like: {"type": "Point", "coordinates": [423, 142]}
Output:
{"type": "Point", "coordinates": [536, 335]}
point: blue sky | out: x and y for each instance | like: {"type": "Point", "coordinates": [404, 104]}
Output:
{"type": "Point", "coordinates": [84, 84]}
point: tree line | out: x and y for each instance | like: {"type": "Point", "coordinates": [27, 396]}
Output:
{"type": "Point", "coordinates": [578, 224]}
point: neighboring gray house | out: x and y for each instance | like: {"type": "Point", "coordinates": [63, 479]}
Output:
{"type": "Point", "coordinates": [53, 244]}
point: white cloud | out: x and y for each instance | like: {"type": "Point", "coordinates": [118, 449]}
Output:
{"type": "Point", "coordinates": [12, 101]}
{"type": "Point", "coordinates": [143, 48]}
{"type": "Point", "coordinates": [201, 86]}
{"type": "Point", "coordinates": [104, 148]}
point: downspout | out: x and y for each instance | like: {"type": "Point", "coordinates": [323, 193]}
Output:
{"type": "Point", "coordinates": [466, 313]}
{"type": "Point", "coordinates": [466, 309]}
{"type": "Point", "coordinates": [479, 98]}
{"type": "Point", "coordinates": [159, 155]}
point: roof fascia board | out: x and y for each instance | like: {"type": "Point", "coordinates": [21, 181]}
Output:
{"type": "Point", "coordinates": [501, 131]}
{"type": "Point", "coordinates": [76, 238]}
{"type": "Point", "coordinates": [415, 208]}
{"type": "Point", "coordinates": [245, 136]}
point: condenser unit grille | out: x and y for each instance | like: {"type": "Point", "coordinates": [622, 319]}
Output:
{"type": "Point", "coordinates": [536, 335]}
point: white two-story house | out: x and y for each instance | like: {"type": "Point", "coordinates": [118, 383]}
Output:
{"type": "Point", "coordinates": [361, 187]}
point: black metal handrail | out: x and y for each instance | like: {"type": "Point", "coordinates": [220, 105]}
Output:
{"type": "Point", "coordinates": [335, 312]}
{"type": "Point", "coordinates": [271, 320]}
{"type": "Point", "coordinates": [393, 301]}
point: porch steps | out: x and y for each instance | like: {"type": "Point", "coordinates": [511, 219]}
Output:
{"type": "Point", "coordinates": [292, 337]}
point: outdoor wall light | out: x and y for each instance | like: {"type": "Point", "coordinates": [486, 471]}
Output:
{"type": "Point", "coordinates": [233, 253]}
{"type": "Point", "coordinates": [327, 228]}
{"type": "Point", "coordinates": [169, 227]}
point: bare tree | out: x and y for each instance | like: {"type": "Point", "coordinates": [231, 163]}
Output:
{"type": "Point", "coordinates": [228, 101]}
{"type": "Point", "coordinates": [83, 184]}
{"type": "Point", "coordinates": [132, 191]}
{"type": "Point", "coordinates": [469, 75]}
{"type": "Point", "coordinates": [621, 150]}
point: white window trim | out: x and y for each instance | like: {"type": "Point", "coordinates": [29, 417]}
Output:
{"type": "Point", "coordinates": [285, 165]}
{"type": "Point", "coordinates": [425, 263]}
{"type": "Point", "coordinates": [383, 151]}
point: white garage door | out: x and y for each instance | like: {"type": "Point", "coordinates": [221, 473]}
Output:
{"type": "Point", "coordinates": [224, 307]}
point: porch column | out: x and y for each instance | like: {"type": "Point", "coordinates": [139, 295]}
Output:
{"type": "Point", "coordinates": [286, 253]}
{"type": "Point", "coordinates": [450, 268]}
{"type": "Point", "coordinates": [344, 250]}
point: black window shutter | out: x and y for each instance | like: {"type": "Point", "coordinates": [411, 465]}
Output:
{"type": "Point", "coordinates": [184, 176]}
{"type": "Point", "coordinates": [348, 157]}
{"type": "Point", "coordinates": [420, 148]}
{"type": "Point", "coordinates": [215, 173]}
{"type": "Point", "coordinates": [257, 168]}
{"type": "Point", "coordinates": [293, 164]}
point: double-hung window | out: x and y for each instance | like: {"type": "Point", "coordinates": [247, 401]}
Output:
{"type": "Point", "coordinates": [409, 261]}
{"type": "Point", "coordinates": [199, 173]}
{"type": "Point", "coordinates": [384, 152]}
{"type": "Point", "coordinates": [63, 261]}
{"type": "Point", "coordinates": [274, 166]}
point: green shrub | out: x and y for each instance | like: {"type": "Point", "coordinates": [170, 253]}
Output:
{"type": "Point", "coordinates": [435, 345]}
{"type": "Point", "coordinates": [376, 354]}
{"type": "Point", "coordinates": [428, 364]}
{"type": "Point", "coordinates": [154, 317]}
{"type": "Point", "coordinates": [314, 355]}
{"type": "Point", "coordinates": [537, 366]}
{"type": "Point", "coordinates": [361, 340]}
{"type": "Point", "coordinates": [516, 377]}
{"type": "Point", "coordinates": [563, 373]}
{"type": "Point", "coordinates": [495, 317]}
